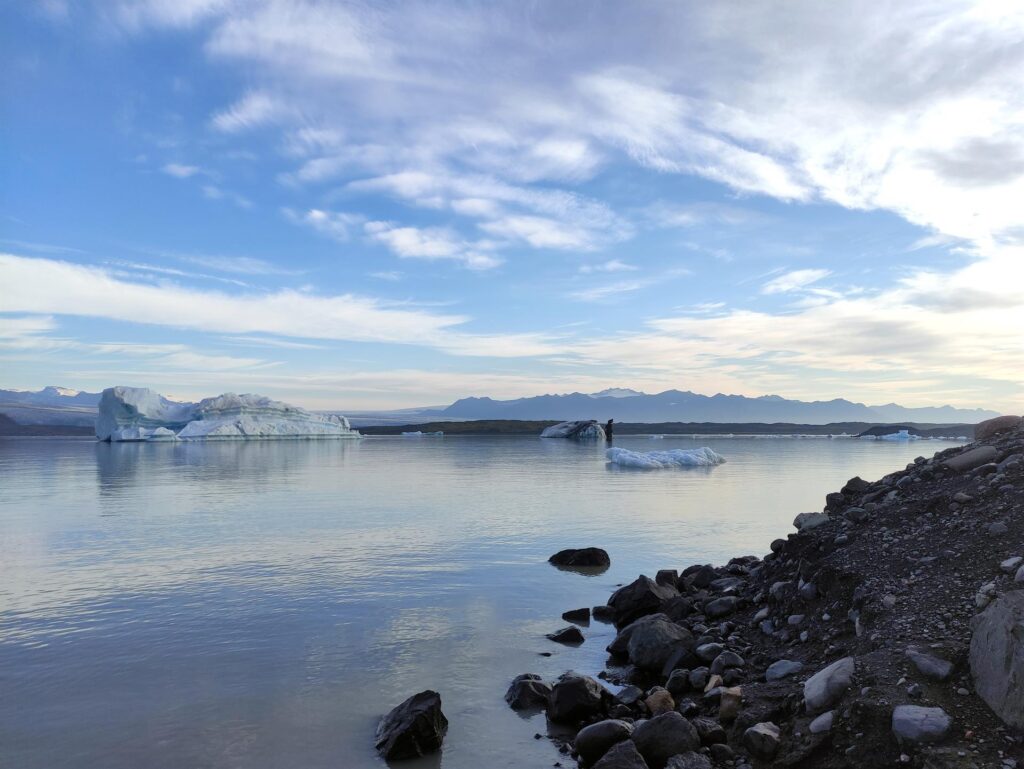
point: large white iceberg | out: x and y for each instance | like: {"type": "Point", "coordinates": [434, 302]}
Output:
{"type": "Point", "coordinates": [139, 414]}
{"type": "Point", "coordinates": [583, 430]}
{"type": "Point", "coordinates": [657, 460]}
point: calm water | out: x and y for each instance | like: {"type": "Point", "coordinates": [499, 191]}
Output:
{"type": "Point", "coordinates": [262, 604]}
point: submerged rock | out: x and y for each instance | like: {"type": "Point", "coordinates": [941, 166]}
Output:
{"type": "Point", "coordinates": [528, 691]}
{"type": "Point", "coordinates": [567, 635]}
{"type": "Point", "coordinates": [582, 557]}
{"type": "Point", "coordinates": [414, 728]}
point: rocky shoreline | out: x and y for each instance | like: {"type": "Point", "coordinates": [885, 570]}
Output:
{"type": "Point", "coordinates": [887, 631]}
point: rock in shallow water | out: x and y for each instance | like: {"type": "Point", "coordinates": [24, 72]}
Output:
{"type": "Point", "coordinates": [568, 635]}
{"type": "Point", "coordinates": [652, 643]}
{"type": "Point", "coordinates": [414, 728]}
{"type": "Point", "coordinates": [582, 557]}
{"type": "Point", "coordinates": [575, 698]}
{"type": "Point", "coordinates": [528, 691]}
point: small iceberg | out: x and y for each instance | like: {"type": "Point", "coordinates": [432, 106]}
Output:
{"type": "Point", "coordinates": [657, 460]}
{"type": "Point", "coordinates": [421, 434]}
{"type": "Point", "coordinates": [583, 430]}
{"type": "Point", "coordinates": [902, 435]}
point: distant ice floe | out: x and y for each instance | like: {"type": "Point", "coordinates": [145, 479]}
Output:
{"type": "Point", "coordinates": [139, 414]}
{"type": "Point", "coordinates": [421, 434]}
{"type": "Point", "coordinates": [657, 460]}
{"type": "Point", "coordinates": [583, 430]}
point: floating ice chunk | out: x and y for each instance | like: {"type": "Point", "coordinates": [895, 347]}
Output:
{"type": "Point", "coordinates": [584, 430]}
{"type": "Point", "coordinates": [655, 460]}
{"type": "Point", "coordinates": [421, 434]}
{"type": "Point", "coordinates": [138, 414]}
{"type": "Point", "coordinates": [902, 435]}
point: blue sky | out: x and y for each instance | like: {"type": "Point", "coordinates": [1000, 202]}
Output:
{"type": "Point", "coordinates": [363, 206]}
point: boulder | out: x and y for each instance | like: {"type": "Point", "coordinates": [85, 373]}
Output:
{"type": "Point", "coordinates": [913, 723]}
{"type": "Point", "coordinates": [827, 686]}
{"type": "Point", "coordinates": [931, 667]}
{"type": "Point", "coordinates": [623, 755]}
{"type": "Point", "coordinates": [593, 741]}
{"type": "Point", "coordinates": [652, 643]}
{"type": "Point", "coordinates": [721, 607]}
{"type": "Point", "coordinates": [413, 729]}
{"type": "Point", "coordinates": [762, 740]}
{"type": "Point", "coordinates": [659, 701]}
{"type": "Point", "coordinates": [575, 698]}
{"type": "Point", "coordinates": [579, 616]}
{"type": "Point", "coordinates": [567, 635]}
{"type": "Point", "coordinates": [528, 691]}
{"type": "Point", "coordinates": [619, 647]}
{"type": "Point", "coordinates": [822, 723]}
{"type": "Point", "coordinates": [972, 458]}
{"type": "Point", "coordinates": [856, 485]}
{"type": "Point", "coordinates": [709, 730]}
{"type": "Point", "coordinates": [988, 428]}
{"type": "Point", "coordinates": [664, 736]}
{"type": "Point", "coordinates": [689, 760]}
{"type": "Point", "coordinates": [997, 657]}
{"type": "Point", "coordinates": [641, 597]}
{"type": "Point", "coordinates": [808, 521]}
{"type": "Point", "coordinates": [583, 557]}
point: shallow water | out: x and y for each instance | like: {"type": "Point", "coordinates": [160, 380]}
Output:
{"type": "Point", "coordinates": [262, 604]}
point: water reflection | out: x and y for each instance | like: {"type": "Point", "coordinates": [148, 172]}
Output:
{"type": "Point", "coordinates": [262, 604]}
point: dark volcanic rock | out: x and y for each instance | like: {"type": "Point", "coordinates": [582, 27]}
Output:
{"type": "Point", "coordinates": [595, 740]}
{"type": "Point", "coordinates": [638, 598]}
{"type": "Point", "coordinates": [528, 691]}
{"type": "Point", "coordinates": [661, 737]}
{"type": "Point", "coordinates": [623, 755]}
{"type": "Point", "coordinates": [567, 635]}
{"type": "Point", "coordinates": [689, 760]}
{"type": "Point", "coordinates": [587, 557]}
{"type": "Point", "coordinates": [414, 728]}
{"type": "Point", "coordinates": [575, 698]}
{"type": "Point", "coordinates": [581, 616]}
{"type": "Point", "coordinates": [651, 644]}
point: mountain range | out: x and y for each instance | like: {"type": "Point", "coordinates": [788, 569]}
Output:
{"type": "Point", "coordinates": [63, 406]}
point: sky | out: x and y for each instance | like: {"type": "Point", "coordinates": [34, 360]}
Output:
{"type": "Point", "coordinates": [395, 204]}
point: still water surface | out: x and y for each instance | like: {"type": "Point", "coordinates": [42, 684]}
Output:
{"type": "Point", "coordinates": [262, 604]}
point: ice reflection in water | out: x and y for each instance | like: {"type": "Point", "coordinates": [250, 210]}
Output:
{"type": "Point", "coordinates": [261, 604]}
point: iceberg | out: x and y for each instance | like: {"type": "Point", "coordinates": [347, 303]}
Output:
{"type": "Point", "coordinates": [657, 460]}
{"type": "Point", "coordinates": [139, 414]}
{"type": "Point", "coordinates": [902, 435]}
{"type": "Point", "coordinates": [583, 430]}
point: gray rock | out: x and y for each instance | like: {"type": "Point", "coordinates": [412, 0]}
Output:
{"type": "Point", "coordinates": [709, 730]}
{"type": "Point", "coordinates": [667, 577]}
{"type": "Point", "coordinates": [998, 528]}
{"type": "Point", "coordinates": [652, 643]}
{"type": "Point", "coordinates": [808, 521]}
{"type": "Point", "coordinates": [857, 514]}
{"type": "Point", "coordinates": [1010, 565]}
{"type": "Point", "coordinates": [580, 616]}
{"type": "Point", "coordinates": [664, 736]}
{"type": "Point", "coordinates": [762, 740]}
{"type": "Point", "coordinates": [782, 669]}
{"type": "Point", "coordinates": [575, 698]}
{"type": "Point", "coordinates": [997, 657]}
{"type": "Point", "coordinates": [827, 686]}
{"type": "Point", "coordinates": [567, 635]}
{"type": "Point", "coordinates": [593, 741]}
{"type": "Point", "coordinates": [630, 695]}
{"type": "Point", "coordinates": [689, 760]}
{"type": "Point", "coordinates": [528, 691]}
{"type": "Point", "coordinates": [413, 729]}
{"type": "Point", "coordinates": [641, 597]}
{"type": "Point", "coordinates": [972, 458]}
{"type": "Point", "coordinates": [932, 667]}
{"type": "Point", "coordinates": [913, 723]}
{"type": "Point", "coordinates": [699, 678]}
{"type": "Point", "coordinates": [721, 754]}
{"type": "Point", "coordinates": [721, 607]}
{"type": "Point", "coordinates": [623, 755]}
{"type": "Point", "coordinates": [619, 647]}
{"type": "Point", "coordinates": [678, 682]}
{"type": "Point", "coordinates": [726, 660]}
{"type": "Point", "coordinates": [822, 723]}
{"type": "Point", "coordinates": [707, 652]}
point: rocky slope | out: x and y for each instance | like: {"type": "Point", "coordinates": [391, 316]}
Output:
{"type": "Point", "coordinates": [887, 631]}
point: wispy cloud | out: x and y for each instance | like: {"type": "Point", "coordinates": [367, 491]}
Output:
{"type": "Point", "coordinates": [793, 281]}
{"type": "Point", "coordinates": [180, 170]}
{"type": "Point", "coordinates": [612, 265]}
{"type": "Point", "coordinates": [431, 243]}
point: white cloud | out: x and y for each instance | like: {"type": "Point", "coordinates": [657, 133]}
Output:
{"type": "Point", "coordinates": [334, 224]}
{"type": "Point", "coordinates": [180, 171]}
{"type": "Point", "coordinates": [251, 111]}
{"type": "Point", "coordinates": [793, 281]}
{"type": "Point", "coordinates": [49, 287]}
{"type": "Point", "coordinates": [612, 265]}
{"type": "Point", "coordinates": [430, 243]}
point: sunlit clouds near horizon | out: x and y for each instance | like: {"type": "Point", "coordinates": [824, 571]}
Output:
{"type": "Point", "coordinates": [399, 204]}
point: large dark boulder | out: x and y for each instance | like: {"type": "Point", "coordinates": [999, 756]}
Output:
{"type": "Point", "coordinates": [413, 729]}
{"type": "Point", "coordinates": [623, 755]}
{"type": "Point", "coordinates": [595, 740]}
{"type": "Point", "coordinates": [641, 597]}
{"type": "Point", "coordinates": [575, 698]}
{"type": "Point", "coordinates": [619, 647]}
{"type": "Point", "coordinates": [997, 657]}
{"type": "Point", "coordinates": [652, 644]}
{"type": "Point", "coordinates": [528, 691]}
{"type": "Point", "coordinates": [664, 736]}
{"type": "Point", "coordinates": [581, 558]}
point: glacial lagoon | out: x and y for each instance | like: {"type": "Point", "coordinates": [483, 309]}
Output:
{"type": "Point", "coordinates": [262, 604]}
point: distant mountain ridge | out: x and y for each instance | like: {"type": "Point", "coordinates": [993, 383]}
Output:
{"type": "Point", "coordinates": [685, 406]}
{"type": "Point", "coordinates": [50, 406]}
